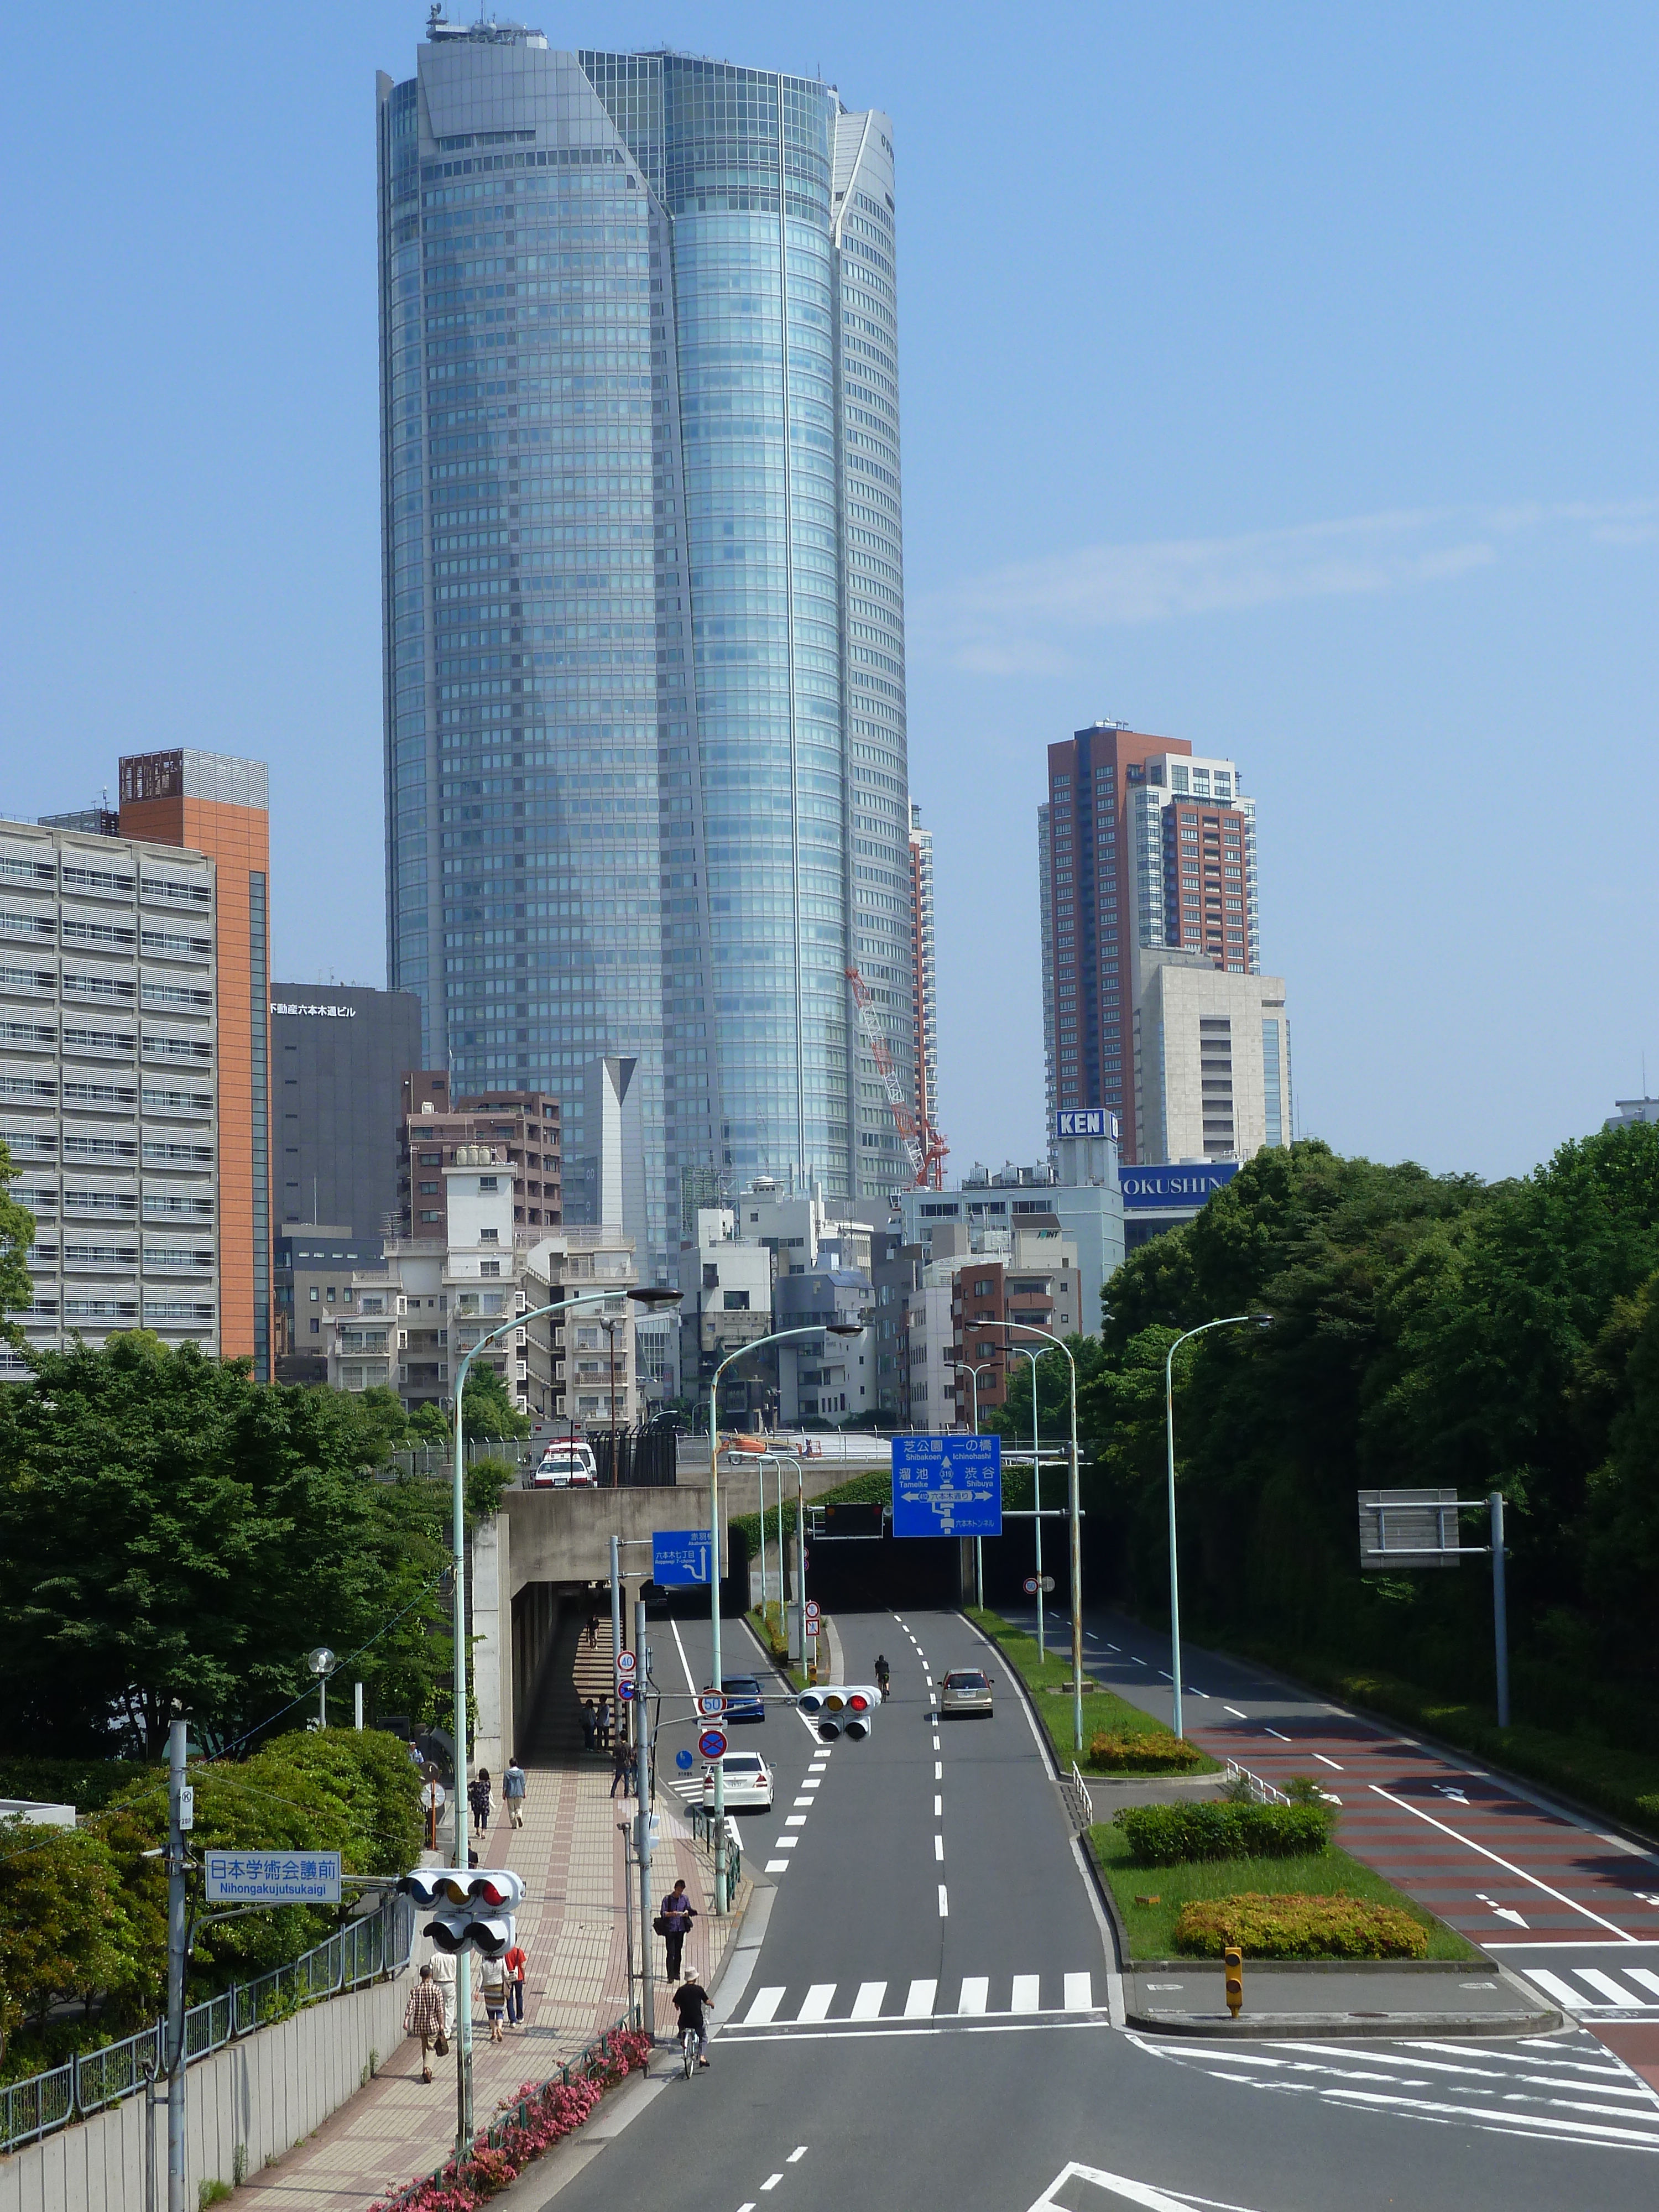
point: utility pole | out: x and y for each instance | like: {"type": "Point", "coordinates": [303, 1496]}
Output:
{"type": "Point", "coordinates": [642, 1790]}
{"type": "Point", "coordinates": [178, 1952]}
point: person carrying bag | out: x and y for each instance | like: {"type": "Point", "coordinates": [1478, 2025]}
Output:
{"type": "Point", "coordinates": [423, 2016]}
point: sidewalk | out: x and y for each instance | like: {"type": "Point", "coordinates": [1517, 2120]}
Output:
{"type": "Point", "coordinates": [573, 1925]}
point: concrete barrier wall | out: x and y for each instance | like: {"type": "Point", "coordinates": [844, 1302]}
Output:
{"type": "Point", "coordinates": [264, 2094]}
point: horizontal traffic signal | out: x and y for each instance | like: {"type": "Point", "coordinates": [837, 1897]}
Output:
{"type": "Point", "coordinates": [475, 1907]}
{"type": "Point", "coordinates": [842, 1708]}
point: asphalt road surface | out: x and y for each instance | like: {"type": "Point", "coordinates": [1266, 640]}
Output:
{"type": "Point", "coordinates": [927, 2021]}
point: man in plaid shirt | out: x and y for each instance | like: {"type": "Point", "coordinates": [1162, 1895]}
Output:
{"type": "Point", "coordinates": [423, 2015]}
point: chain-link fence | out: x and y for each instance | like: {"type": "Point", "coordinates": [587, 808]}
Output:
{"type": "Point", "coordinates": [360, 1952]}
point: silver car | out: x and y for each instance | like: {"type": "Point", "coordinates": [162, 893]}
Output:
{"type": "Point", "coordinates": [965, 1690]}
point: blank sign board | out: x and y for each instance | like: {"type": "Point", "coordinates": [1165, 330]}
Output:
{"type": "Point", "coordinates": [1404, 1528]}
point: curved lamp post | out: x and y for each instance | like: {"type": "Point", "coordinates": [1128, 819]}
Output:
{"type": "Point", "coordinates": [778, 1336]}
{"type": "Point", "coordinates": [1075, 1509]}
{"type": "Point", "coordinates": [1229, 1320]}
{"type": "Point", "coordinates": [985, 1367]}
{"type": "Point", "coordinates": [322, 1663]}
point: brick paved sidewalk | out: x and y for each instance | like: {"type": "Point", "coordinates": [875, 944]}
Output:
{"type": "Point", "coordinates": [572, 1924]}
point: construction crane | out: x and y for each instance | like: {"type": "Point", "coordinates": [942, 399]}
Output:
{"type": "Point", "coordinates": [923, 1145]}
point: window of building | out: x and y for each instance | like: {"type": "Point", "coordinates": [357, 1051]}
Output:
{"type": "Point", "coordinates": [490, 1236]}
{"type": "Point", "coordinates": [734, 1301]}
{"type": "Point", "coordinates": [489, 1266]}
{"type": "Point", "coordinates": [316, 1325]}
{"type": "Point", "coordinates": [490, 1183]}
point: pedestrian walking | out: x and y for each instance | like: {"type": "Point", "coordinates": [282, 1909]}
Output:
{"type": "Point", "coordinates": [479, 1798]}
{"type": "Point", "coordinates": [443, 1971]}
{"type": "Point", "coordinates": [593, 1631]}
{"type": "Point", "coordinates": [492, 1977]}
{"type": "Point", "coordinates": [424, 2016]}
{"type": "Point", "coordinates": [516, 1960]}
{"type": "Point", "coordinates": [622, 1761]}
{"type": "Point", "coordinates": [674, 1919]}
{"type": "Point", "coordinates": [513, 1789]}
{"type": "Point", "coordinates": [605, 1723]}
{"type": "Point", "coordinates": [590, 1723]}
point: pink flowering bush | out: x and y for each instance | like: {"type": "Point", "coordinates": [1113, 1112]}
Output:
{"type": "Point", "coordinates": [544, 2111]}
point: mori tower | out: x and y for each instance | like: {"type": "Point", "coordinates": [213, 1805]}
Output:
{"type": "Point", "coordinates": [646, 786]}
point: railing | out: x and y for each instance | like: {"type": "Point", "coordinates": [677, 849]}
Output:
{"type": "Point", "coordinates": [439, 1460]}
{"type": "Point", "coordinates": [1079, 1803]}
{"type": "Point", "coordinates": [360, 1952]}
{"type": "Point", "coordinates": [702, 1835]}
{"type": "Point", "coordinates": [1265, 1793]}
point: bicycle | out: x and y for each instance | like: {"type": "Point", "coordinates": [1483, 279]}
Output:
{"type": "Point", "coordinates": [689, 2047]}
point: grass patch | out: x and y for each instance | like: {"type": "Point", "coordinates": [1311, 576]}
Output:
{"type": "Point", "coordinates": [1104, 1713]}
{"type": "Point", "coordinates": [772, 1630]}
{"type": "Point", "coordinates": [1329, 1872]}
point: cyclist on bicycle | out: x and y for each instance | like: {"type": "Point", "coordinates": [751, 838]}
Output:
{"type": "Point", "coordinates": [883, 1674]}
{"type": "Point", "coordinates": [691, 2000]}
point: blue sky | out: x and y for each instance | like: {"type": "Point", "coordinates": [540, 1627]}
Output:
{"type": "Point", "coordinates": [1282, 380]}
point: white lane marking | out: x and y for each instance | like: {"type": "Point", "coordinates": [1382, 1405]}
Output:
{"type": "Point", "coordinates": [1234, 1711]}
{"type": "Point", "coordinates": [866, 2005]}
{"type": "Point", "coordinates": [944, 1902]}
{"type": "Point", "coordinates": [975, 1995]}
{"type": "Point", "coordinates": [795, 1821]}
{"type": "Point", "coordinates": [1645, 1975]}
{"type": "Point", "coordinates": [812, 1782]}
{"type": "Point", "coordinates": [1331, 1763]}
{"type": "Point", "coordinates": [939, 1847]}
{"type": "Point", "coordinates": [919, 2003]}
{"type": "Point", "coordinates": [1079, 1993]}
{"type": "Point", "coordinates": [749, 2207]}
{"type": "Point", "coordinates": [938, 1805]}
{"type": "Point", "coordinates": [1279, 1733]}
{"type": "Point", "coordinates": [936, 1744]}
{"type": "Point", "coordinates": [796, 2155]}
{"type": "Point", "coordinates": [1138, 1661]}
{"type": "Point", "coordinates": [1165, 1675]}
{"type": "Point", "coordinates": [1503, 1912]}
{"type": "Point", "coordinates": [777, 1866]}
{"type": "Point", "coordinates": [1508, 1867]}
{"type": "Point", "coordinates": [1193, 1691]}
{"type": "Point", "coordinates": [1615, 1992]}
{"type": "Point", "coordinates": [765, 2007]}
{"type": "Point", "coordinates": [1113, 1647]}
{"type": "Point", "coordinates": [1511, 2119]}
{"type": "Point", "coordinates": [1027, 1993]}
{"type": "Point", "coordinates": [804, 1801]}
{"type": "Point", "coordinates": [786, 1843]}
{"type": "Point", "coordinates": [1116, 2184]}
{"type": "Point", "coordinates": [771, 2182]}
{"type": "Point", "coordinates": [938, 1770]}
{"type": "Point", "coordinates": [817, 2006]}
{"type": "Point", "coordinates": [1093, 1637]}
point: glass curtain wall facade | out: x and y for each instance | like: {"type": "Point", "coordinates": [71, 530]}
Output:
{"type": "Point", "coordinates": [630, 663]}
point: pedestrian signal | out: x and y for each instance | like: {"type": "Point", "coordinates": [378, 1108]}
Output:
{"type": "Point", "coordinates": [842, 1708]}
{"type": "Point", "coordinates": [474, 1908]}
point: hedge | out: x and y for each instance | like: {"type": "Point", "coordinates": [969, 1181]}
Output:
{"type": "Point", "coordinates": [1166, 1835]}
{"type": "Point", "coordinates": [1154, 1751]}
{"type": "Point", "coordinates": [1299, 1928]}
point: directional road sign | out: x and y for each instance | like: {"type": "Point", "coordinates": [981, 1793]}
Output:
{"type": "Point", "coordinates": [626, 1663]}
{"type": "Point", "coordinates": [711, 1705]}
{"type": "Point", "coordinates": [255, 1877]}
{"type": "Point", "coordinates": [680, 1555]}
{"type": "Point", "coordinates": [712, 1743]}
{"type": "Point", "coordinates": [947, 1486]}
{"type": "Point", "coordinates": [683, 1760]}
{"type": "Point", "coordinates": [1035, 1582]}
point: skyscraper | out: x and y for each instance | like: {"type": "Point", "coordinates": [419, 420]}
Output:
{"type": "Point", "coordinates": [924, 979]}
{"type": "Point", "coordinates": [645, 747]}
{"type": "Point", "coordinates": [1145, 849]}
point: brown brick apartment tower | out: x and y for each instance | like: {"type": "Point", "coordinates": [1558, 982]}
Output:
{"type": "Point", "coordinates": [212, 804]}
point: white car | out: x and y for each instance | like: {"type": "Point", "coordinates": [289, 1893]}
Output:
{"type": "Point", "coordinates": [566, 1466]}
{"type": "Point", "coordinates": [748, 1782]}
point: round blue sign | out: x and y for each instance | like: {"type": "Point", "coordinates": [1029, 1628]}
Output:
{"type": "Point", "coordinates": [683, 1760]}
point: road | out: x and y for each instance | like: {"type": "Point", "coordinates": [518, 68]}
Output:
{"type": "Point", "coordinates": [927, 2022]}
{"type": "Point", "coordinates": [1572, 1907]}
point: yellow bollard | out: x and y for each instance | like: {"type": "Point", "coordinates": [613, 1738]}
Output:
{"type": "Point", "coordinates": [1233, 1959]}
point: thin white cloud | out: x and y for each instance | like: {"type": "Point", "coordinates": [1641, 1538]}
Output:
{"type": "Point", "coordinates": [1026, 619]}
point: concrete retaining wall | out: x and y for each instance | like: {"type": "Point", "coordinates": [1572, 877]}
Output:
{"type": "Point", "coordinates": [264, 2094]}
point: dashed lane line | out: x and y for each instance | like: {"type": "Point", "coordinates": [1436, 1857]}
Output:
{"type": "Point", "coordinates": [1507, 1865]}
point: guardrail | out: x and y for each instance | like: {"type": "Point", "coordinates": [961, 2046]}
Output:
{"type": "Point", "coordinates": [702, 1835]}
{"type": "Point", "coordinates": [1265, 1793]}
{"type": "Point", "coordinates": [1079, 1803]}
{"type": "Point", "coordinates": [360, 1952]}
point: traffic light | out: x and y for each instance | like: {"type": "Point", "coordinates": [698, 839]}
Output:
{"type": "Point", "coordinates": [842, 1708]}
{"type": "Point", "coordinates": [475, 1907]}
{"type": "Point", "coordinates": [1233, 1959]}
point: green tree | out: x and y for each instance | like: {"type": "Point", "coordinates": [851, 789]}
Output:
{"type": "Point", "coordinates": [16, 1235]}
{"type": "Point", "coordinates": [488, 1411]}
{"type": "Point", "coordinates": [68, 1931]}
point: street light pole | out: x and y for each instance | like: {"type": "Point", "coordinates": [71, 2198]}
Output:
{"type": "Point", "coordinates": [985, 1367]}
{"type": "Point", "coordinates": [1075, 1509]}
{"type": "Point", "coordinates": [722, 1902]}
{"type": "Point", "coordinates": [1231, 1321]}
{"type": "Point", "coordinates": [1026, 1352]}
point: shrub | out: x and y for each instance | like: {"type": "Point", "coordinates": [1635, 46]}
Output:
{"type": "Point", "coordinates": [1299, 1928]}
{"type": "Point", "coordinates": [1150, 1751]}
{"type": "Point", "coordinates": [1166, 1835]}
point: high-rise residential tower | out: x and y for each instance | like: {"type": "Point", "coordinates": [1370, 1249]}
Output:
{"type": "Point", "coordinates": [645, 749]}
{"type": "Point", "coordinates": [924, 976]}
{"type": "Point", "coordinates": [1145, 849]}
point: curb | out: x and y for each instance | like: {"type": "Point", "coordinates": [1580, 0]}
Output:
{"type": "Point", "coordinates": [1298, 2026]}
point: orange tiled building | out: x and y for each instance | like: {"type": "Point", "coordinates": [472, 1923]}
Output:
{"type": "Point", "coordinates": [212, 804]}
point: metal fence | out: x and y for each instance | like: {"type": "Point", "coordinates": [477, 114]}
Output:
{"type": "Point", "coordinates": [1079, 1805]}
{"type": "Point", "coordinates": [359, 1953]}
{"type": "Point", "coordinates": [1265, 1793]}
{"type": "Point", "coordinates": [439, 1460]}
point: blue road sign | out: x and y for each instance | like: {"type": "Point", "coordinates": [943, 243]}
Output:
{"type": "Point", "coordinates": [683, 1760]}
{"type": "Point", "coordinates": [625, 1689]}
{"type": "Point", "coordinates": [947, 1486]}
{"type": "Point", "coordinates": [680, 1555]}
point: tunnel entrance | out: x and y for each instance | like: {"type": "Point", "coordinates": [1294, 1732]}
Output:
{"type": "Point", "coordinates": [884, 1573]}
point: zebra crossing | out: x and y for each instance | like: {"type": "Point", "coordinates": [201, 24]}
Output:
{"type": "Point", "coordinates": [1597, 1991]}
{"type": "Point", "coordinates": [779, 2008]}
{"type": "Point", "coordinates": [1562, 2089]}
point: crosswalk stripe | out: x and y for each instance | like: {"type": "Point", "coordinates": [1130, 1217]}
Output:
{"type": "Point", "coordinates": [1646, 1976]}
{"type": "Point", "coordinates": [975, 1994]}
{"type": "Point", "coordinates": [866, 2005]}
{"type": "Point", "coordinates": [919, 2004]}
{"type": "Point", "coordinates": [1553, 1986]}
{"type": "Point", "coordinates": [817, 2006]}
{"type": "Point", "coordinates": [1614, 1992]}
{"type": "Point", "coordinates": [765, 2007]}
{"type": "Point", "coordinates": [1027, 1993]}
{"type": "Point", "coordinates": [1079, 1993]}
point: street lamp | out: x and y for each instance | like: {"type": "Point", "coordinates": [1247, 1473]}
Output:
{"type": "Point", "coordinates": [322, 1663]}
{"type": "Point", "coordinates": [1231, 1321]}
{"type": "Point", "coordinates": [985, 1367]}
{"type": "Point", "coordinates": [1075, 1509]}
{"type": "Point", "coordinates": [1026, 1352]}
{"type": "Point", "coordinates": [778, 1336]}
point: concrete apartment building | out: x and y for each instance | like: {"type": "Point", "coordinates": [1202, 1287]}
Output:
{"type": "Point", "coordinates": [212, 804]}
{"type": "Point", "coordinates": [581, 1364]}
{"type": "Point", "coordinates": [111, 1084]}
{"type": "Point", "coordinates": [1144, 847]}
{"type": "Point", "coordinates": [978, 1277]}
{"type": "Point", "coordinates": [1212, 1061]}
{"type": "Point", "coordinates": [523, 1125]}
